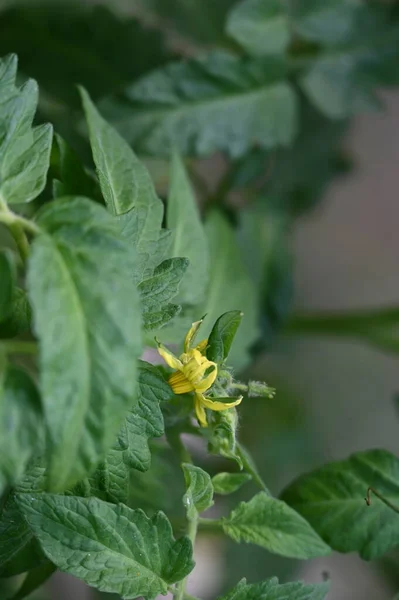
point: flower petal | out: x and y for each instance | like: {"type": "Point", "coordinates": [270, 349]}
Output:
{"type": "Point", "coordinates": [199, 410]}
{"type": "Point", "coordinates": [179, 383]}
{"type": "Point", "coordinates": [170, 359]}
{"type": "Point", "coordinates": [201, 347]}
{"type": "Point", "coordinates": [207, 381]}
{"type": "Point", "coordinates": [207, 402]}
{"type": "Point", "coordinates": [191, 334]}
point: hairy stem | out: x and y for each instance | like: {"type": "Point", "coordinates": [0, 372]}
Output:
{"type": "Point", "coordinates": [210, 525]}
{"type": "Point", "coordinates": [250, 467]}
{"type": "Point", "coordinates": [17, 226]}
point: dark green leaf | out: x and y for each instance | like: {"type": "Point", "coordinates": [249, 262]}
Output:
{"type": "Point", "coordinates": [230, 287]}
{"type": "Point", "coordinates": [156, 320]}
{"type": "Point", "coordinates": [89, 332]}
{"type": "Point", "coordinates": [113, 548]}
{"type": "Point", "coordinates": [213, 102]}
{"type": "Point", "coordinates": [332, 500]}
{"type": "Point", "coordinates": [156, 291]}
{"type": "Point", "coordinates": [260, 26]}
{"type": "Point", "coordinates": [272, 590]}
{"type": "Point", "coordinates": [24, 150]}
{"type": "Point", "coordinates": [273, 525]}
{"type": "Point", "coordinates": [227, 483]}
{"type": "Point", "coordinates": [188, 234]}
{"type": "Point", "coordinates": [20, 318]}
{"type": "Point", "coordinates": [21, 425]}
{"type": "Point", "coordinates": [74, 179]}
{"type": "Point", "coordinates": [8, 275]}
{"type": "Point", "coordinates": [199, 494]}
{"type": "Point", "coordinates": [222, 335]}
{"type": "Point", "coordinates": [34, 580]}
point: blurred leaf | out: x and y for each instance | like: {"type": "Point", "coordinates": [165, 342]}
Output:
{"type": "Point", "coordinates": [199, 494]}
{"type": "Point", "coordinates": [8, 275]}
{"type": "Point", "coordinates": [24, 150]}
{"type": "Point", "coordinates": [230, 287]}
{"type": "Point", "coordinates": [21, 425]}
{"type": "Point", "coordinates": [188, 235]}
{"type": "Point", "coordinates": [89, 335]}
{"type": "Point", "coordinates": [20, 318]}
{"type": "Point", "coordinates": [162, 286]}
{"type": "Point", "coordinates": [272, 590]}
{"type": "Point", "coordinates": [116, 549]}
{"type": "Point", "coordinates": [343, 79]}
{"type": "Point", "coordinates": [228, 483]}
{"type": "Point", "coordinates": [202, 20]}
{"type": "Point", "coordinates": [222, 335]}
{"type": "Point", "coordinates": [34, 580]}
{"type": "Point", "coordinates": [213, 102]}
{"type": "Point", "coordinates": [65, 43]}
{"type": "Point", "coordinates": [273, 525]}
{"type": "Point", "coordinates": [260, 26]}
{"type": "Point", "coordinates": [324, 21]}
{"type": "Point", "coordinates": [332, 500]}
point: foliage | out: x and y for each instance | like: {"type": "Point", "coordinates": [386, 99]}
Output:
{"type": "Point", "coordinates": [94, 267]}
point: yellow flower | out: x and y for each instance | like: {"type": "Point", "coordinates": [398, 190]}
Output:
{"type": "Point", "coordinates": [194, 373]}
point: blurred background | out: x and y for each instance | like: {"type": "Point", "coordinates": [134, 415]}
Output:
{"type": "Point", "coordinates": [327, 217]}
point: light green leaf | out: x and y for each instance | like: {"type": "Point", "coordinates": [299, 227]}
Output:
{"type": "Point", "coordinates": [221, 435]}
{"type": "Point", "coordinates": [113, 548]}
{"type": "Point", "coordinates": [199, 494]}
{"type": "Point", "coordinates": [260, 26]}
{"type": "Point", "coordinates": [272, 590]}
{"type": "Point", "coordinates": [213, 102]}
{"type": "Point", "coordinates": [273, 525]}
{"type": "Point", "coordinates": [162, 286]}
{"type": "Point", "coordinates": [21, 425]}
{"type": "Point", "coordinates": [227, 483]}
{"type": "Point", "coordinates": [324, 21]}
{"type": "Point", "coordinates": [230, 287]}
{"type": "Point", "coordinates": [222, 335]}
{"type": "Point", "coordinates": [24, 150]}
{"type": "Point", "coordinates": [34, 580]}
{"type": "Point", "coordinates": [189, 238]}
{"type": "Point", "coordinates": [332, 500]}
{"type": "Point", "coordinates": [158, 319]}
{"type": "Point", "coordinates": [124, 181]}
{"type": "Point", "coordinates": [89, 332]}
{"type": "Point", "coordinates": [8, 274]}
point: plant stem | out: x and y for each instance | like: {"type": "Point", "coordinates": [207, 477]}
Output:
{"type": "Point", "coordinates": [250, 467]}
{"type": "Point", "coordinates": [18, 347]}
{"type": "Point", "coordinates": [210, 525]}
{"type": "Point", "coordinates": [17, 226]}
{"type": "Point", "coordinates": [175, 442]}
{"type": "Point", "coordinates": [381, 497]}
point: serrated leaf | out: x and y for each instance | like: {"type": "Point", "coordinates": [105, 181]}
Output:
{"type": "Point", "coordinates": [272, 590]}
{"type": "Point", "coordinates": [89, 332]}
{"type": "Point", "coordinates": [24, 150]}
{"type": "Point", "coordinates": [156, 291]}
{"type": "Point", "coordinates": [273, 525]}
{"type": "Point", "coordinates": [213, 102]}
{"type": "Point", "coordinates": [228, 273]}
{"type": "Point", "coordinates": [332, 500]}
{"type": "Point", "coordinates": [8, 275]}
{"type": "Point", "coordinates": [188, 237]}
{"type": "Point", "coordinates": [260, 26]}
{"type": "Point", "coordinates": [20, 318]}
{"type": "Point", "coordinates": [113, 548]}
{"type": "Point", "coordinates": [222, 335]}
{"type": "Point", "coordinates": [34, 580]}
{"type": "Point", "coordinates": [228, 483]}
{"type": "Point", "coordinates": [21, 425]}
{"type": "Point", "coordinates": [199, 494]}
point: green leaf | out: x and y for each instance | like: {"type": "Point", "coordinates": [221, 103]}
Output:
{"type": "Point", "coordinates": [324, 21]}
{"type": "Point", "coordinates": [213, 102]}
{"type": "Point", "coordinates": [74, 179]}
{"type": "Point", "coordinates": [89, 332]}
{"type": "Point", "coordinates": [230, 287]}
{"type": "Point", "coordinates": [24, 150]}
{"type": "Point", "coordinates": [162, 286]}
{"type": "Point", "coordinates": [113, 548]}
{"type": "Point", "coordinates": [158, 319]}
{"type": "Point", "coordinates": [20, 318]}
{"type": "Point", "coordinates": [221, 435]}
{"type": "Point", "coordinates": [260, 26]}
{"type": "Point", "coordinates": [222, 335]}
{"type": "Point", "coordinates": [332, 500]}
{"type": "Point", "coordinates": [272, 590]}
{"type": "Point", "coordinates": [188, 237]}
{"type": "Point", "coordinates": [199, 494]}
{"type": "Point", "coordinates": [34, 580]}
{"type": "Point", "coordinates": [8, 274]}
{"type": "Point", "coordinates": [227, 483]}
{"type": "Point", "coordinates": [273, 525]}
{"type": "Point", "coordinates": [21, 425]}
